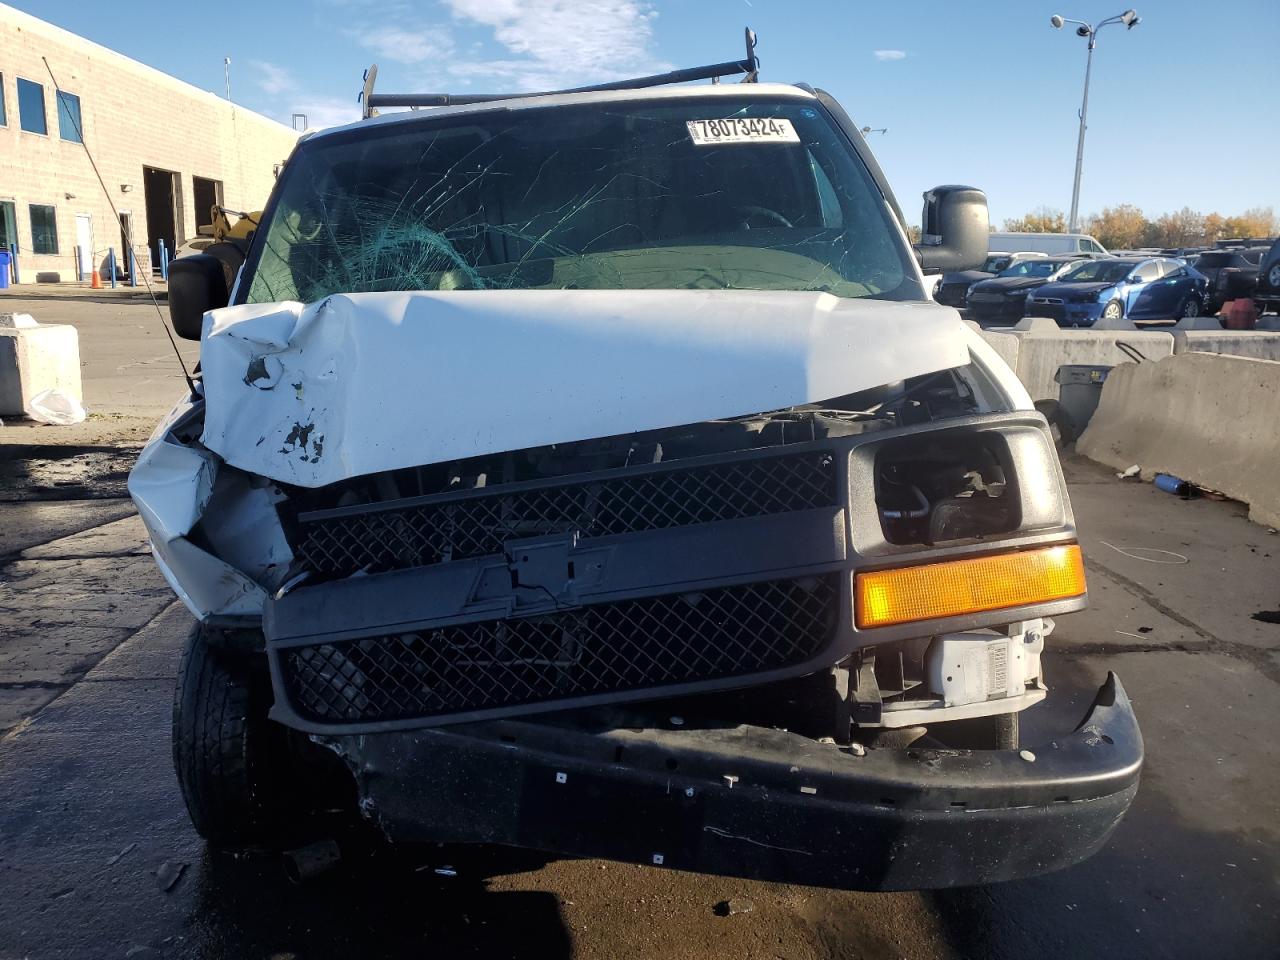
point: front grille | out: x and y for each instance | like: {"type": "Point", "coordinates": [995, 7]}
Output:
{"type": "Point", "coordinates": [403, 534]}
{"type": "Point", "coordinates": [607, 648]}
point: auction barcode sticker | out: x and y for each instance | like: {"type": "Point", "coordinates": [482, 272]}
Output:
{"type": "Point", "coordinates": [742, 130]}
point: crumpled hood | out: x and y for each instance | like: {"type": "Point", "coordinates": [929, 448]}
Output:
{"type": "Point", "coordinates": [362, 383]}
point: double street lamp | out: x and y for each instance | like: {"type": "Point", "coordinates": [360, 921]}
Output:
{"type": "Point", "coordinates": [1130, 19]}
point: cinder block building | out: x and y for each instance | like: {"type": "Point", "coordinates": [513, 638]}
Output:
{"type": "Point", "coordinates": [168, 152]}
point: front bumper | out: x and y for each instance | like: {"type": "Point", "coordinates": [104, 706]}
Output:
{"type": "Point", "coordinates": [1067, 314]}
{"type": "Point", "coordinates": [754, 802]}
{"type": "Point", "coordinates": [996, 311]}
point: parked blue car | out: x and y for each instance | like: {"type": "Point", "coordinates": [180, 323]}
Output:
{"type": "Point", "coordinates": [1138, 288]}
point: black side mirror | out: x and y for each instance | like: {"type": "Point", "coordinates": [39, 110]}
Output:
{"type": "Point", "coordinates": [955, 229]}
{"type": "Point", "coordinates": [197, 284]}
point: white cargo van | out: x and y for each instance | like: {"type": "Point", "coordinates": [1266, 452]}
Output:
{"type": "Point", "coordinates": [1050, 243]}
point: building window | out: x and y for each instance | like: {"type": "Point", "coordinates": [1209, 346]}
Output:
{"type": "Point", "coordinates": [4, 120]}
{"type": "Point", "coordinates": [31, 107]}
{"type": "Point", "coordinates": [70, 126]}
{"type": "Point", "coordinates": [44, 229]}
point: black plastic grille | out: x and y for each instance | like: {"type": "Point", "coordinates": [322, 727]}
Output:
{"type": "Point", "coordinates": [674, 639]}
{"type": "Point", "coordinates": [381, 538]}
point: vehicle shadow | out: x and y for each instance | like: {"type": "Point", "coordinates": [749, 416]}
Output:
{"type": "Point", "coordinates": [378, 902]}
{"type": "Point", "coordinates": [64, 472]}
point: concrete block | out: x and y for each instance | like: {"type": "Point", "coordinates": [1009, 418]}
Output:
{"type": "Point", "coordinates": [1259, 344]}
{"type": "Point", "coordinates": [1041, 352]}
{"type": "Point", "coordinates": [1040, 324]}
{"type": "Point", "coordinates": [1113, 323]}
{"type": "Point", "coordinates": [1207, 418]}
{"type": "Point", "coordinates": [1005, 344]}
{"type": "Point", "coordinates": [32, 359]}
{"type": "Point", "coordinates": [1198, 323]}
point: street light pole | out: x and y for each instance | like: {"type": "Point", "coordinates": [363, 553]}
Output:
{"type": "Point", "coordinates": [1084, 115]}
{"type": "Point", "coordinates": [1130, 19]}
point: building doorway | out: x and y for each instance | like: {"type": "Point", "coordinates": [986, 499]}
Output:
{"type": "Point", "coordinates": [84, 245]}
{"type": "Point", "coordinates": [126, 232]}
{"type": "Point", "coordinates": [160, 190]}
{"type": "Point", "coordinates": [207, 194]}
{"type": "Point", "coordinates": [8, 231]}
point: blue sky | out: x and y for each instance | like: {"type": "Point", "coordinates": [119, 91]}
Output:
{"type": "Point", "coordinates": [1182, 109]}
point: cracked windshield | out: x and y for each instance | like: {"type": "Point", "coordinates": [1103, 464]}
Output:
{"type": "Point", "coordinates": [692, 195]}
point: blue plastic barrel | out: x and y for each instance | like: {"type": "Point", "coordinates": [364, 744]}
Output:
{"type": "Point", "coordinates": [4, 269]}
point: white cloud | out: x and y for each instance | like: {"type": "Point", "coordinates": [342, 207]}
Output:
{"type": "Point", "coordinates": [406, 45]}
{"type": "Point", "coordinates": [890, 54]}
{"type": "Point", "coordinates": [561, 42]}
{"type": "Point", "coordinates": [272, 79]}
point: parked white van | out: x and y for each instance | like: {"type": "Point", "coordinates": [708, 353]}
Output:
{"type": "Point", "coordinates": [1050, 243]}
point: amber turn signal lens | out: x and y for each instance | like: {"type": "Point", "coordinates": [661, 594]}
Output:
{"type": "Point", "coordinates": [956, 587]}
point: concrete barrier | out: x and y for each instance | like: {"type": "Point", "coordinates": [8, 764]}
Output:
{"type": "Point", "coordinates": [1043, 349]}
{"type": "Point", "coordinates": [1204, 417]}
{"type": "Point", "coordinates": [1258, 344]}
{"type": "Point", "coordinates": [36, 358]}
{"type": "Point", "coordinates": [1002, 342]}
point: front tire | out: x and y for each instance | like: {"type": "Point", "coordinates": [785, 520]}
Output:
{"type": "Point", "coordinates": [1191, 308]}
{"type": "Point", "coordinates": [223, 743]}
{"type": "Point", "coordinates": [1113, 310]}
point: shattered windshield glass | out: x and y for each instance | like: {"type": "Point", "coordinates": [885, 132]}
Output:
{"type": "Point", "coordinates": [688, 194]}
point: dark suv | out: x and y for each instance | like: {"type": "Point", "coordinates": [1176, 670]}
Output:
{"type": "Point", "coordinates": [1266, 293]}
{"type": "Point", "coordinates": [1231, 273]}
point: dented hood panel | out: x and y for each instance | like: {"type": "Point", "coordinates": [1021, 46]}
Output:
{"type": "Point", "coordinates": [361, 383]}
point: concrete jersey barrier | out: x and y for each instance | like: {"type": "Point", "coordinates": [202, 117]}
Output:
{"type": "Point", "coordinates": [1207, 418]}
{"type": "Point", "coordinates": [1043, 347]}
{"type": "Point", "coordinates": [1258, 344]}
{"type": "Point", "coordinates": [37, 358]}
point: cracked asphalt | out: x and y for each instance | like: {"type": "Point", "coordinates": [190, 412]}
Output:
{"type": "Point", "coordinates": [97, 859]}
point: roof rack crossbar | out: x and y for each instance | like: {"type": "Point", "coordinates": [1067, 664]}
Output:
{"type": "Point", "coordinates": [749, 66]}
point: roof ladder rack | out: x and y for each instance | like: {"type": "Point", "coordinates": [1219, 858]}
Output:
{"type": "Point", "coordinates": [750, 66]}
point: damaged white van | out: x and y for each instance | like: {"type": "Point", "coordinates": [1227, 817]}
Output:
{"type": "Point", "coordinates": [591, 472]}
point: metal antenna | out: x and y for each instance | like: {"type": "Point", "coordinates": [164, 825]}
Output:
{"type": "Point", "coordinates": [128, 236]}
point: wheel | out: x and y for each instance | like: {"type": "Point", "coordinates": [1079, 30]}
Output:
{"type": "Point", "coordinates": [223, 743]}
{"type": "Point", "coordinates": [1113, 310]}
{"type": "Point", "coordinates": [1191, 308]}
{"type": "Point", "coordinates": [999, 732]}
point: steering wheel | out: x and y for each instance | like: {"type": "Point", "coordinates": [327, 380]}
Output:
{"type": "Point", "coordinates": [773, 216]}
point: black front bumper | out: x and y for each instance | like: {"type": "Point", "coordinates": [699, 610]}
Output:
{"type": "Point", "coordinates": [754, 802]}
{"type": "Point", "coordinates": [996, 311]}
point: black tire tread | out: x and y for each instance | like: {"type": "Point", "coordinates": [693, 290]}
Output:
{"type": "Point", "coordinates": [217, 716]}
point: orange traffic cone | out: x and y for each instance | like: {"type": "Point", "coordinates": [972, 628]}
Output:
{"type": "Point", "coordinates": [95, 281]}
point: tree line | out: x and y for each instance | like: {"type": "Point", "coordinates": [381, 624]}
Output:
{"type": "Point", "coordinates": [1125, 227]}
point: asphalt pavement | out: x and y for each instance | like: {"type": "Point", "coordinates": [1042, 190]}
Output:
{"type": "Point", "coordinates": [97, 858]}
